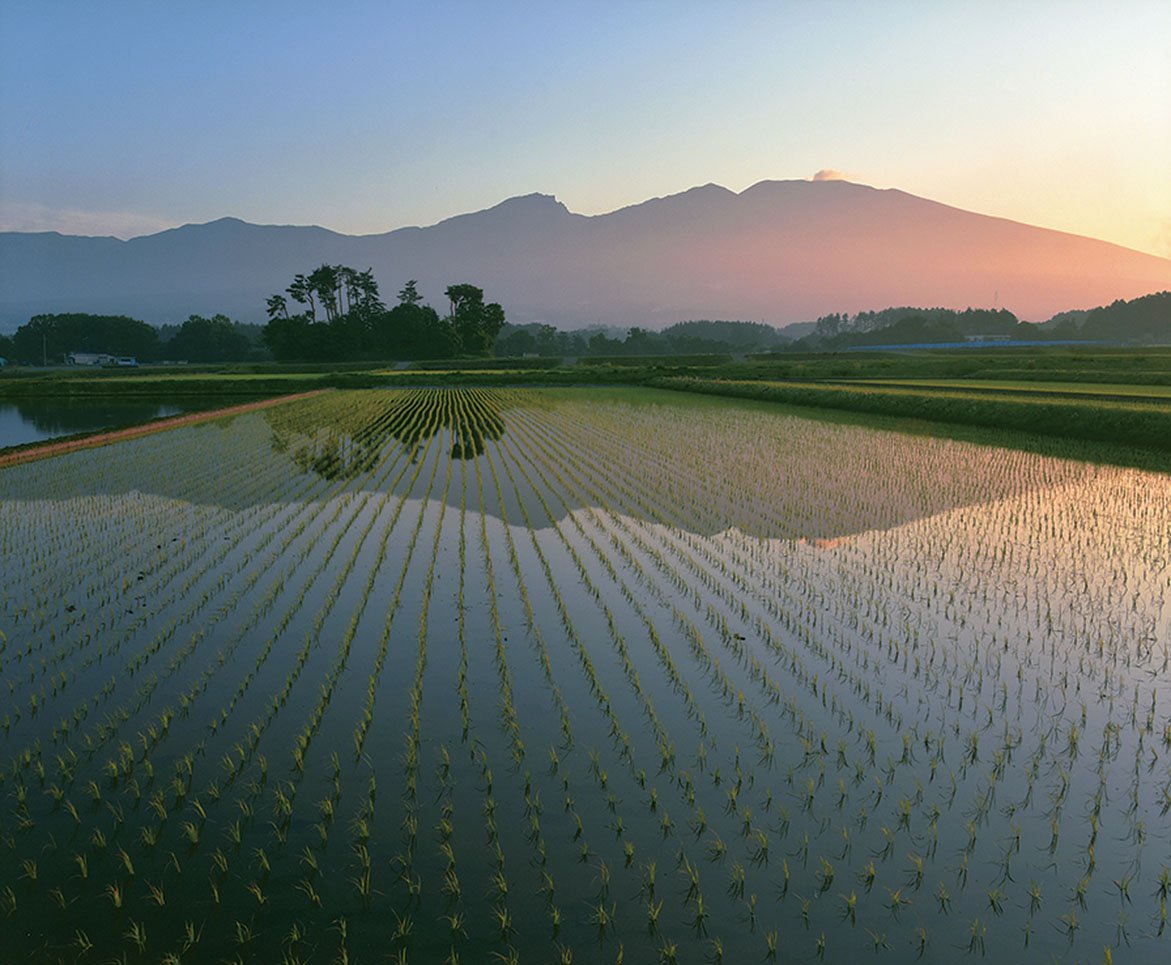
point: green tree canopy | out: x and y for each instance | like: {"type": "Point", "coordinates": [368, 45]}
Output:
{"type": "Point", "coordinates": [214, 339]}
{"type": "Point", "coordinates": [51, 337]}
{"type": "Point", "coordinates": [335, 313]}
{"type": "Point", "coordinates": [476, 324]}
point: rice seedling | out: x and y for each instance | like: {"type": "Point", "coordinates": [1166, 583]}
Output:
{"type": "Point", "coordinates": [683, 603]}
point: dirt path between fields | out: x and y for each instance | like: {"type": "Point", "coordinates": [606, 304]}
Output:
{"type": "Point", "coordinates": [56, 448]}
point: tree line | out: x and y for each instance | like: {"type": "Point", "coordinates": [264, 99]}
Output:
{"type": "Point", "coordinates": [699, 337]}
{"type": "Point", "coordinates": [335, 313]}
{"type": "Point", "coordinates": [47, 339]}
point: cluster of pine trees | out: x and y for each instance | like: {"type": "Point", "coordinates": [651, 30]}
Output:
{"type": "Point", "coordinates": [337, 314]}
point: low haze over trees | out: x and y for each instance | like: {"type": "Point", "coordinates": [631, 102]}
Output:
{"type": "Point", "coordinates": [683, 338]}
{"type": "Point", "coordinates": [1144, 319]}
{"type": "Point", "coordinates": [337, 314]}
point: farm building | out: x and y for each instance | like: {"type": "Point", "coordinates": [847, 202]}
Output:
{"type": "Point", "coordinates": [88, 358]}
{"type": "Point", "coordinates": [100, 358]}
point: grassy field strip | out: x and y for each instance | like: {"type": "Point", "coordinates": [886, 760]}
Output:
{"type": "Point", "coordinates": [1105, 390]}
{"type": "Point", "coordinates": [1145, 425]}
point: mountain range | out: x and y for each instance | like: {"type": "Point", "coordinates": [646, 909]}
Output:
{"type": "Point", "coordinates": [778, 252]}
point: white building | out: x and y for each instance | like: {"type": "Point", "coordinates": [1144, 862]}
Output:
{"type": "Point", "coordinates": [100, 358]}
{"type": "Point", "coordinates": [88, 358]}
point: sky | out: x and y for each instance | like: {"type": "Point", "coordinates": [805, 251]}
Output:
{"type": "Point", "coordinates": [125, 118]}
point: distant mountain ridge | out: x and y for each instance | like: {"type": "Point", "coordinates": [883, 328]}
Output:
{"type": "Point", "coordinates": [778, 252]}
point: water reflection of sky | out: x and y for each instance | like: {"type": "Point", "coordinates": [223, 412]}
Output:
{"type": "Point", "coordinates": [25, 421]}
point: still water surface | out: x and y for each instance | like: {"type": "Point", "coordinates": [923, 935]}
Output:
{"type": "Point", "coordinates": [35, 420]}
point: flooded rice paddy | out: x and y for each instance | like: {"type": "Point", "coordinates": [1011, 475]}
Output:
{"type": "Point", "coordinates": [24, 421]}
{"type": "Point", "coordinates": [580, 675]}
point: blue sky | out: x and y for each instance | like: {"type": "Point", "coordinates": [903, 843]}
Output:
{"type": "Point", "coordinates": [126, 117]}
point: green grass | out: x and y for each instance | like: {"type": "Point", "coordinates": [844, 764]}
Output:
{"type": "Point", "coordinates": [1116, 395]}
{"type": "Point", "coordinates": [642, 361]}
{"type": "Point", "coordinates": [216, 376]}
{"type": "Point", "coordinates": [1106, 389]}
{"type": "Point", "coordinates": [1145, 425]}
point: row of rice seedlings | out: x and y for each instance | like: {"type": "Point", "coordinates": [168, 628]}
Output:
{"type": "Point", "coordinates": [794, 464]}
{"type": "Point", "coordinates": [66, 774]}
{"type": "Point", "coordinates": [503, 914]}
{"type": "Point", "coordinates": [731, 695]}
{"type": "Point", "coordinates": [284, 793]}
{"type": "Point", "coordinates": [361, 882]}
{"type": "Point", "coordinates": [665, 823]}
{"type": "Point", "coordinates": [560, 469]}
{"type": "Point", "coordinates": [346, 642]}
{"type": "Point", "coordinates": [710, 583]}
{"type": "Point", "coordinates": [978, 765]}
{"type": "Point", "coordinates": [468, 407]}
{"type": "Point", "coordinates": [188, 828]}
{"type": "Point", "coordinates": [75, 534]}
{"type": "Point", "coordinates": [197, 605]}
{"type": "Point", "coordinates": [602, 912]}
{"type": "Point", "coordinates": [189, 831]}
{"type": "Point", "coordinates": [116, 605]}
{"type": "Point", "coordinates": [153, 682]}
{"type": "Point", "coordinates": [760, 839]}
{"type": "Point", "coordinates": [685, 587]}
{"type": "Point", "coordinates": [362, 728]}
{"type": "Point", "coordinates": [705, 580]}
{"type": "Point", "coordinates": [741, 604]}
{"type": "Point", "coordinates": [303, 739]}
{"type": "Point", "coordinates": [140, 520]}
{"type": "Point", "coordinates": [412, 734]}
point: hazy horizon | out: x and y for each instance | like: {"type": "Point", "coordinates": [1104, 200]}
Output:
{"type": "Point", "coordinates": [818, 176]}
{"type": "Point", "coordinates": [779, 252]}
